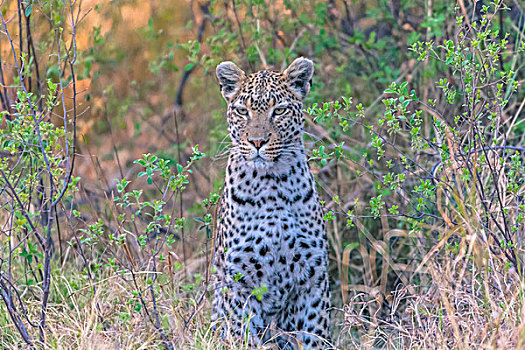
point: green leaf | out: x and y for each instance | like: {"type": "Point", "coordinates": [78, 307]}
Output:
{"type": "Point", "coordinates": [29, 9]}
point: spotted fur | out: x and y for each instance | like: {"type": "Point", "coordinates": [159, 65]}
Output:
{"type": "Point", "coordinates": [270, 232]}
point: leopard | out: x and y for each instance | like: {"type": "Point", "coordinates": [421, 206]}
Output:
{"type": "Point", "coordinates": [271, 250]}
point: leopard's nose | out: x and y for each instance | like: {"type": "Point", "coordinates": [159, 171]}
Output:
{"type": "Point", "coordinates": [258, 143]}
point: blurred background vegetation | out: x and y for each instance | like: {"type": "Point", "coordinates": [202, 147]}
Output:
{"type": "Point", "coordinates": [414, 128]}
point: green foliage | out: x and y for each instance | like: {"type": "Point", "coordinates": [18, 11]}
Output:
{"type": "Point", "coordinates": [419, 163]}
{"type": "Point", "coordinates": [259, 292]}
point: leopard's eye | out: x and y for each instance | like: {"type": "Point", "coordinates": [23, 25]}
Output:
{"type": "Point", "coordinates": [243, 112]}
{"type": "Point", "coordinates": [279, 111]}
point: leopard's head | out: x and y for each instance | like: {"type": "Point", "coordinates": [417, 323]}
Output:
{"type": "Point", "coordinates": [265, 117]}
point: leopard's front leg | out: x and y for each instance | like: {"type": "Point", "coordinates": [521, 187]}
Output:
{"type": "Point", "coordinates": [239, 314]}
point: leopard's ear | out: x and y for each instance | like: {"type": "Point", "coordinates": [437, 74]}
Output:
{"type": "Point", "coordinates": [230, 78]}
{"type": "Point", "coordinates": [299, 76]}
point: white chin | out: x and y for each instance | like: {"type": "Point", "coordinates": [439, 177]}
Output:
{"type": "Point", "coordinates": [259, 161]}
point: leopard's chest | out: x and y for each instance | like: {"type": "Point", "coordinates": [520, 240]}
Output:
{"type": "Point", "coordinates": [271, 234]}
